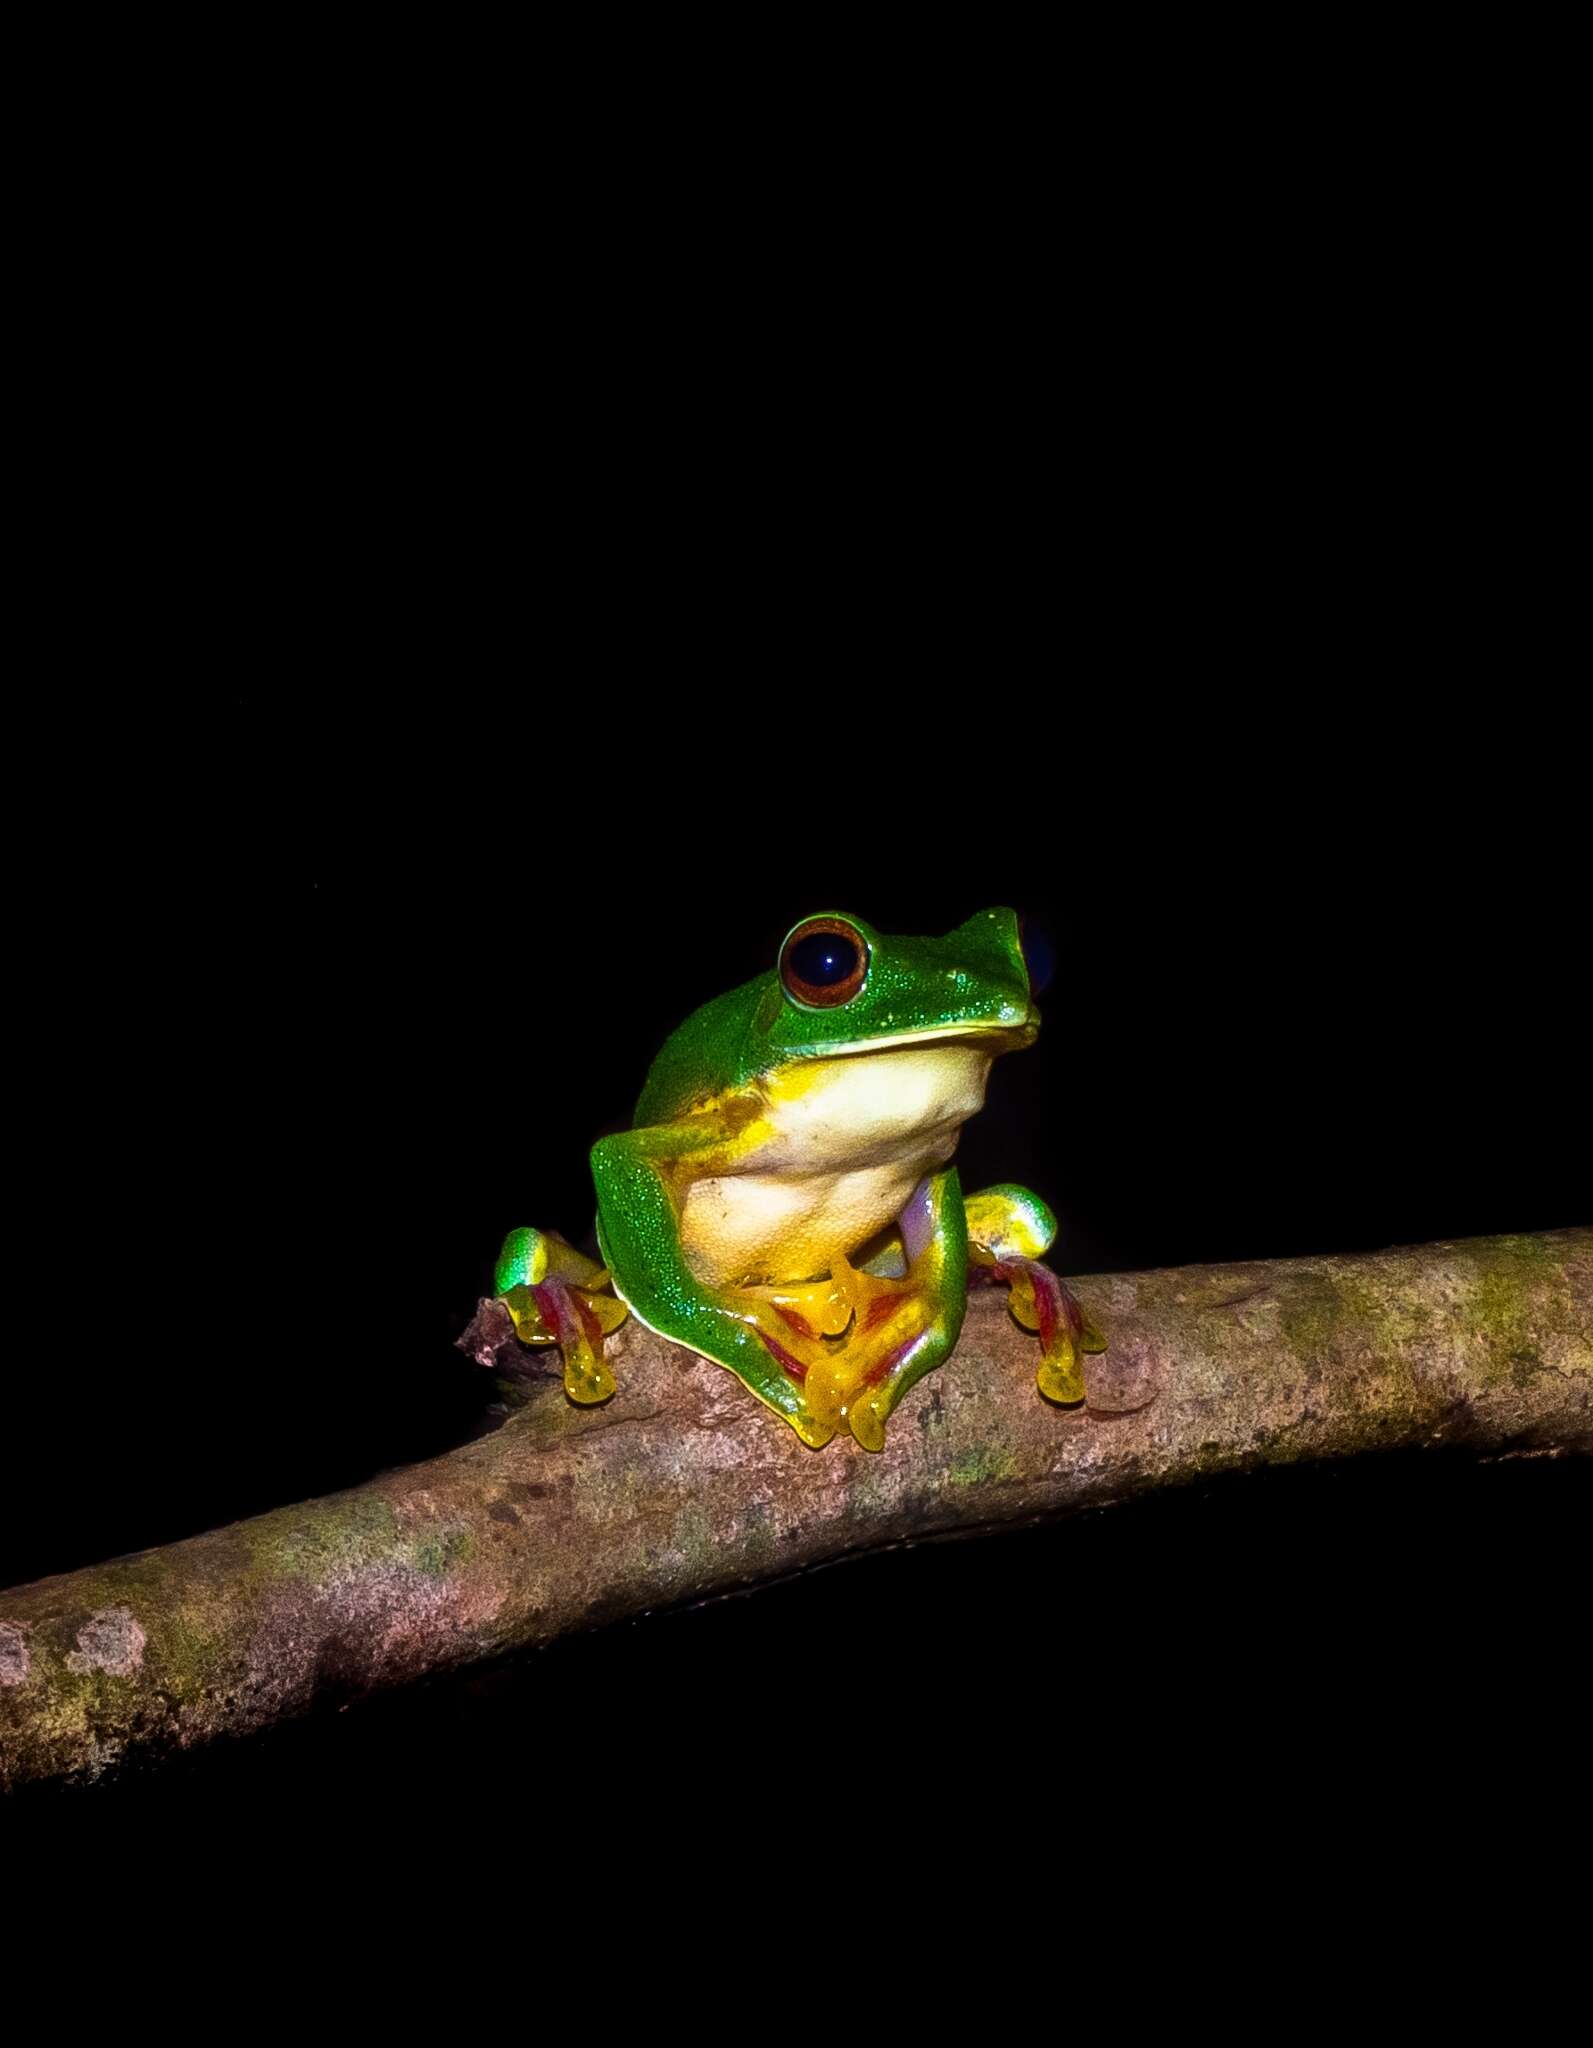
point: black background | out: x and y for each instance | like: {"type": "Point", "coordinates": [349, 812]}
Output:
{"type": "Point", "coordinates": [455, 746]}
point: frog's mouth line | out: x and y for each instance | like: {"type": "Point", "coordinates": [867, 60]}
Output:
{"type": "Point", "coordinates": [1014, 1037]}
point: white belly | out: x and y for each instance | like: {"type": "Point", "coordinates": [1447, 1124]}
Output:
{"type": "Point", "coordinates": [846, 1142]}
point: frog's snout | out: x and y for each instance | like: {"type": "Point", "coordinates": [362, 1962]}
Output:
{"type": "Point", "coordinates": [995, 939]}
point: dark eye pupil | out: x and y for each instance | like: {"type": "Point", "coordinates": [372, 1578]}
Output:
{"type": "Point", "coordinates": [823, 958]}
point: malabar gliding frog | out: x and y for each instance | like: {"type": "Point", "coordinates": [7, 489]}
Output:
{"type": "Point", "coordinates": [785, 1204]}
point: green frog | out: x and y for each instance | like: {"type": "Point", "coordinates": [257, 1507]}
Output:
{"type": "Point", "coordinates": [785, 1204]}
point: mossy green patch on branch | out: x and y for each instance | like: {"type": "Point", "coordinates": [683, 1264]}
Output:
{"type": "Point", "coordinates": [990, 1462]}
{"type": "Point", "coordinates": [1310, 1315]}
{"type": "Point", "coordinates": [324, 1536]}
{"type": "Point", "coordinates": [693, 1535]}
{"type": "Point", "coordinates": [756, 1532]}
{"type": "Point", "coordinates": [438, 1553]}
{"type": "Point", "coordinates": [1517, 1301]}
{"type": "Point", "coordinates": [190, 1655]}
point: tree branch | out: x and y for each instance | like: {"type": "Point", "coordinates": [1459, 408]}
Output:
{"type": "Point", "coordinates": [683, 1486]}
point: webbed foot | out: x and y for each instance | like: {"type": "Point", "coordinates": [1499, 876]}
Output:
{"type": "Point", "coordinates": [791, 1322]}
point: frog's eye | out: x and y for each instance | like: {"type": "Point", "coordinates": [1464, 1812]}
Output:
{"type": "Point", "coordinates": [824, 963]}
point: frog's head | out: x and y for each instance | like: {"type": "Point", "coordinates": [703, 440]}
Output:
{"type": "Point", "coordinates": [841, 987]}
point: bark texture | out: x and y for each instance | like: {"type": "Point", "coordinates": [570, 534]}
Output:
{"type": "Point", "coordinates": [684, 1486]}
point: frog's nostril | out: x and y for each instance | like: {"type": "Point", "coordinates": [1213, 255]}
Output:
{"type": "Point", "coordinates": [1039, 954]}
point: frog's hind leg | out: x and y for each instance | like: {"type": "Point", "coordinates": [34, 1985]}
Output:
{"type": "Point", "coordinates": [1008, 1231]}
{"type": "Point", "coordinates": [555, 1295]}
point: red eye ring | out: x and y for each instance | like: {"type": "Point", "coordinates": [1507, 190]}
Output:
{"type": "Point", "coordinates": [822, 976]}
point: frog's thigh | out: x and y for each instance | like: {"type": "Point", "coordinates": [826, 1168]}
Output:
{"type": "Point", "coordinates": [638, 1230]}
{"type": "Point", "coordinates": [1003, 1221]}
{"type": "Point", "coordinates": [905, 1327]}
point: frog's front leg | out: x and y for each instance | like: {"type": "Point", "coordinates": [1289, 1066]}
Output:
{"type": "Point", "coordinates": [1008, 1230]}
{"type": "Point", "coordinates": [770, 1338]}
